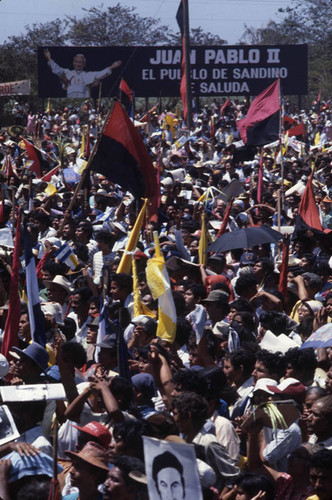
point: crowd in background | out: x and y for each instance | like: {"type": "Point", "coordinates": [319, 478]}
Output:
{"type": "Point", "coordinates": [237, 344]}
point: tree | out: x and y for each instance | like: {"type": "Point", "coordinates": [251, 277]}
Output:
{"type": "Point", "coordinates": [305, 21]}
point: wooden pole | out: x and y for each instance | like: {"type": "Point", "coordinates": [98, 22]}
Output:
{"type": "Point", "coordinates": [279, 217]}
{"type": "Point", "coordinates": [187, 62]}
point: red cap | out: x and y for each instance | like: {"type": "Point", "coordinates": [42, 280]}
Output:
{"type": "Point", "coordinates": [98, 430]}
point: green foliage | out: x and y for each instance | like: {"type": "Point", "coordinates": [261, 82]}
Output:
{"type": "Point", "coordinates": [305, 21]}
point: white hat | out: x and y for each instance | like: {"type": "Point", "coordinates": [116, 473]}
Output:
{"type": "Point", "coordinates": [263, 383]}
{"type": "Point", "coordinates": [59, 280]}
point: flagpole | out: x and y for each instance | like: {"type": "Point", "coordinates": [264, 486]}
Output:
{"type": "Point", "coordinates": [86, 170]}
{"type": "Point", "coordinates": [187, 62]}
{"type": "Point", "coordinates": [280, 144]}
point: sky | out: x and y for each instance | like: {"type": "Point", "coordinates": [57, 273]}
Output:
{"type": "Point", "coordinates": [225, 18]}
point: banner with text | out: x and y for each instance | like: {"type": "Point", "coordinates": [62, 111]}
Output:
{"type": "Point", "coordinates": [156, 71]}
{"type": "Point", "coordinates": [21, 87]}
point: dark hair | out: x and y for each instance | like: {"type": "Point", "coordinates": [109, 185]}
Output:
{"type": "Point", "coordinates": [267, 264]}
{"type": "Point", "coordinates": [190, 381]}
{"type": "Point", "coordinates": [216, 381]}
{"type": "Point", "coordinates": [199, 291]}
{"type": "Point", "coordinates": [121, 387]}
{"type": "Point", "coordinates": [76, 353]}
{"type": "Point", "coordinates": [193, 404]}
{"type": "Point", "coordinates": [179, 302]}
{"type": "Point", "coordinates": [124, 281]}
{"type": "Point", "coordinates": [322, 459]}
{"type": "Point", "coordinates": [84, 292]}
{"type": "Point", "coordinates": [242, 304]}
{"type": "Point", "coordinates": [303, 360]}
{"type": "Point", "coordinates": [163, 461]}
{"type": "Point", "coordinates": [274, 321]}
{"type": "Point", "coordinates": [242, 357]}
{"type": "Point", "coordinates": [86, 227]}
{"type": "Point", "coordinates": [81, 251]}
{"type": "Point", "coordinates": [313, 280]}
{"type": "Point", "coordinates": [252, 483]}
{"type": "Point", "coordinates": [53, 268]}
{"type": "Point", "coordinates": [273, 361]}
{"type": "Point", "coordinates": [183, 331]}
{"type": "Point", "coordinates": [104, 237]}
{"type": "Point", "coordinates": [128, 464]}
{"type": "Point", "coordinates": [132, 432]}
{"type": "Point", "coordinates": [245, 281]}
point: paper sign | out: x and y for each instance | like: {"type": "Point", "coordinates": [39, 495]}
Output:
{"type": "Point", "coordinates": [171, 470]}
{"type": "Point", "coordinates": [8, 430]}
{"type": "Point", "coordinates": [36, 392]}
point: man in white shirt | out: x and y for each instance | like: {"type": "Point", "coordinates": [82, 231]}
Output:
{"type": "Point", "coordinates": [77, 82]}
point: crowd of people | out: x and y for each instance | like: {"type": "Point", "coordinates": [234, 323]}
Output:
{"type": "Point", "coordinates": [234, 379]}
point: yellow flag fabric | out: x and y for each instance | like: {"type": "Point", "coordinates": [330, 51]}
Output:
{"type": "Point", "coordinates": [203, 241]}
{"type": "Point", "coordinates": [139, 307]}
{"type": "Point", "coordinates": [160, 286]}
{"type": "Point", "coordinates": [82, 154]}
{"type": "Point", "coordinates": [317, 139]}
{"type": "Point", "coordinates": [50, 190]}
{"type": "Point", "coordinates": [48, 109]}
{"type": "Point", "coordinates": [125, 262]}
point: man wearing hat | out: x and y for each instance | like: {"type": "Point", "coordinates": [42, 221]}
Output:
{"type": "Point", "coordinates": [145, 329]}
{"type": "Point", "coordinates": [58, 291]}
{"type": "Point", "coordinates": [217, 306]}
{"type": "Point", "coordinates": [31, 363]}
{"type": "Point", "coordinates": [89, 468]}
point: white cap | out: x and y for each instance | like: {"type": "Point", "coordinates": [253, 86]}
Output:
{"type": "Point", "coordinates": [263, 383]}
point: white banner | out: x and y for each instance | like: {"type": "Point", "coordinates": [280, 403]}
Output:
{"type": "Point", "coordinates": [21, 87]}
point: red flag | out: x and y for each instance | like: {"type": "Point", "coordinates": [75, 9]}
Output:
{"type": "Point", "coordinates": [297, 130]}
{"type": "Point", "coordinates": [47, 177]}
{"type": "Point", "coordinates": [319, 96]}
{"type": "Point", "coordinates": [122, 157]}
{"type": "Point", "coordinates": [284, 268]}
{"type": "Point", "coordinates": [226, 218]}
{"type": "Point", "coordinates": [260, 180]}
{"type": "Point", "coordinates": [9, 167]}
{"type": "Point", "coordinates": [183, 86]}
{"type": "Point", "coordinates": [126, 97]}
{"type": "Point", "coordinates": [10, 337]}
{"type": "Point", "coordinates": [146, 116]}
{"type": "Point", "coordinates": [308, 217]}
{"type": "Point", "coordinates": [261, 125]}
{"type": "Point", "coordinates": [35, 156]}
{"type": "Point", "coordinates": [224, 106]}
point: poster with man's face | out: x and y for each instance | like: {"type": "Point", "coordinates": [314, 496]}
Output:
{"type": "Point", "coordinates": [171, 470]}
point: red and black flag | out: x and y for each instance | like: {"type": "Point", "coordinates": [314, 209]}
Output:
{"type": "Point", "coordinates": [35, 155]}
{"type": "Point", "coordinates": [307, 218]}
{"type": "Point", "coordinates": [126, 97]}
{"type": "Point", "coordinates": [122, 157]}
{"type": "Point", "coordinates": [262, 123]}
{"type": "Point", "coordinates": [183, 86]}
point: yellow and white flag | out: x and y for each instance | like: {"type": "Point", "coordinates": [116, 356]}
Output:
{"type": "Point", "coordinates": [160, 286]}
{"type": "Point", "coordinates": [139, 307]}
{"type": "Point", "coordinates": [125, 262]}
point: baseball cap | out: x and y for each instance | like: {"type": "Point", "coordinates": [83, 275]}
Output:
{"type": "Point", "coordinates": [290, 387]}
{"type": "Point", "coordinates": [266, 385]}
{"type": "Point", "coordinates": [97, 430]}
{"type": "Point", "coordinates": [144, 383]}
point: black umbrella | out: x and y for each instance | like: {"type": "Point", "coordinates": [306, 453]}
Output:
{"type": "Point", "coordinates": [245, 238]}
